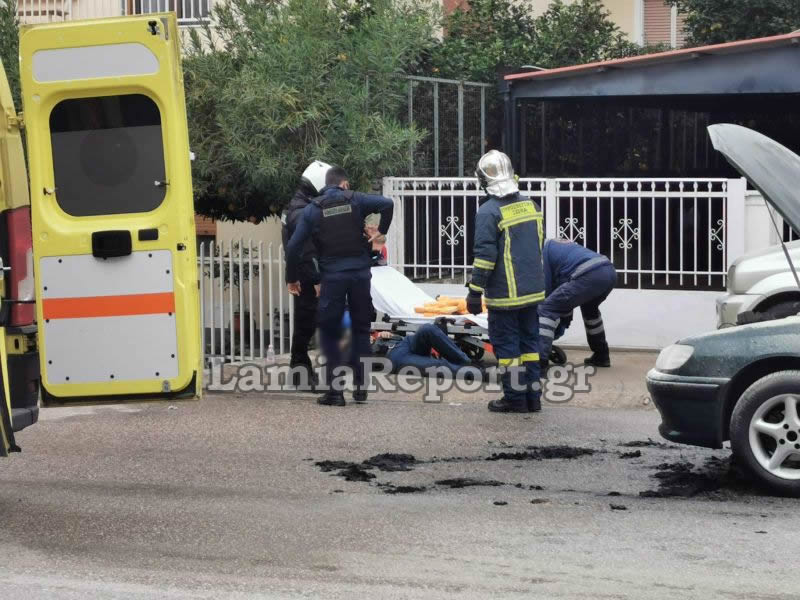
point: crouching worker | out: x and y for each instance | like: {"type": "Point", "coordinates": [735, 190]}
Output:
{"type": "Point", "coordinates": [507, 270]}
{"type": "Point", "coordinates": [335, 221]}
{"type": "Point", "coordinates": [575, 277]}
{"type": "Point", "coordinates": [416, 350]}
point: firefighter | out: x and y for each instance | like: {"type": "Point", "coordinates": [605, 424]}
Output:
{"type": "Point", "coordinates": [575, 276]}
{"type": "Point", "coordinates": [305, 306]}
{"type": "Point", "coordinates": [335, 222]}
{"type": "Point", "coordinates": [507, 272]}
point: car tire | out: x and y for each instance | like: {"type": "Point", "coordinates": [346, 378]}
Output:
{"type": "Point", "coordinates": [763, 423]}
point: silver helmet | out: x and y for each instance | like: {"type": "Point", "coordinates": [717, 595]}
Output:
{"type": "Point", "coordinates": [495, 174]}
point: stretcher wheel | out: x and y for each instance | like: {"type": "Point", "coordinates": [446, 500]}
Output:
{"type": "Point", "coordinates": [557, 356]}
{"type": "Point", "coordinates": [473, 352]}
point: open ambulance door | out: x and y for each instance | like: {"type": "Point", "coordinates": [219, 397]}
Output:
{"type": "Point", "coordinates": [113, 219]}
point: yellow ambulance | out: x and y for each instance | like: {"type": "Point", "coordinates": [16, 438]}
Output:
{"type": "Point", "coordinates": [114, 251]}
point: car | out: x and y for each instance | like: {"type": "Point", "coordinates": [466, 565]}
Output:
{"type": "Point", "coordinates": [742, 384]}
{"type": "Point", "coordinates": [760, 287]}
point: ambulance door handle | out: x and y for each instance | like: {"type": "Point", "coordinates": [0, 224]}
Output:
{"type": "Point", "coordinates": [111, 244]}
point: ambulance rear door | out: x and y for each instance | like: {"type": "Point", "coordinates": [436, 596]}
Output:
{"type": "Point", "coordinates": [113, 220]}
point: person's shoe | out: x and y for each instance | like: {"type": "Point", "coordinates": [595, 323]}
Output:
{"type": "Point", "coordinates": [332, 399]}
{"type": "Point", "coordinates": [360, 396]}
{"type": "Point", "coordinates": [504, 406]}
{"type": "Point", "coordinates": [598, 360]}
{"type": "Point", "coordinates": [534, 404]}
{"type": "Point", "coordinates": [441, 323]}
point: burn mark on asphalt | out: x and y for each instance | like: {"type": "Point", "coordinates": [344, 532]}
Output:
{"type": "Point", "coordinates": [649, 443]}
{"type": "Point", "coordinates": [392, 462]}
{"type": "Point", "coordinates": [543, 453]}
{"type": "Point", "coordinates": [717, 479]}
{"type": "Point", "coordinates": [463, 482]}
{"type": "Point", "coordinates": [388, 488]}
{"type": "Point", "coordinates": [634, 454]}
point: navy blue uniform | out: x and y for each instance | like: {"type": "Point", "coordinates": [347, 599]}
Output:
{"type": "Point", "coordinates": [574, 276]}
{"type": "Point", "coordinates": [507, 270]}
{"type": "Point", "coordinates": [415, 351]}
{"type": "Point", "coordinates": [344, 267]}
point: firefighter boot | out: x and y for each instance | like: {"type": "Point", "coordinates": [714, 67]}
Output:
{"type": "Point", "coordinates": [506, 406]}
{"type": "Point", "coordinates": [332, 399]}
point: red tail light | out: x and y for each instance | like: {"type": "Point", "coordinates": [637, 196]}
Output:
{"type": "Point", "coordinates": [20, 258]}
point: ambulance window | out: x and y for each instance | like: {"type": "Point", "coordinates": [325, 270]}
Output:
{"type": "Point", "coordinates": [107, 155]}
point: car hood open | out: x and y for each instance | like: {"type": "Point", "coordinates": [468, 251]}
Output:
{"type": "Point", "coordinates": [772, 169]}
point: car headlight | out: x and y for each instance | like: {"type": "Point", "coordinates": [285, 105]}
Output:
{"type": "Point", "coordinates": [673, 357]}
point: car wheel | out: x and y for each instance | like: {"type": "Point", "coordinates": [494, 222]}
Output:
{"type": "Point", "coordinates": [765, 431]}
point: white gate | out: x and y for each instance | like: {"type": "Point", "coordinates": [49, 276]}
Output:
{"type": "Point", "coordinates": [671, 241]}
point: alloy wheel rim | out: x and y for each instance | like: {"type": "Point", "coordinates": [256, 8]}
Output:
{"type": "Point", "coordinates": [775, 436]}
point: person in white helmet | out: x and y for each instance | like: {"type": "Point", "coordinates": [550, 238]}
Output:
{"type": "Point", "coordinates": [305, 308]}
{"type": "Point", "coordinates": [507, 272]}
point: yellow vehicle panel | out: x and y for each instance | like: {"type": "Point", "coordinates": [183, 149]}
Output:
{"type": "Point", "coordinates": [113, 219]}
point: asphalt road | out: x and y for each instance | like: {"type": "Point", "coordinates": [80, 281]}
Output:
{"type": "Point", "coordinates": [222, 499]}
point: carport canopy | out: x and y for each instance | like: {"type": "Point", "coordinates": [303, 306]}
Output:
{"type": "Point", "coordinates": [693, 76]}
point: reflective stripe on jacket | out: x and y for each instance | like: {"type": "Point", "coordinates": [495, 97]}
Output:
{"type": "Point", "coordinates": [507, 268]}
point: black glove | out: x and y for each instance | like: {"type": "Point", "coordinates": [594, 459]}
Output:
{"type": "Point", "coordinates": [474, 302]}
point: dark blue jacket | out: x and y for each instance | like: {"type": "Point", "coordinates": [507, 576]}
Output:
{"type": "Point", "coordinates": [507, 265]}
{"type": "Point", "coordinates": [308, 226]}
{"type": "Point", "coordinates": [564, 259]}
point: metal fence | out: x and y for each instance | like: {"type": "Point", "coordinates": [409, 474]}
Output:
{"type": "Point", "coordinates": [453, 113]}
{"type": "Point", "coordinates": [189, 12]}
{"type": "Point", "coordinates": [245, 307]}
{"type": "Point", "coordinates": [669, 234]}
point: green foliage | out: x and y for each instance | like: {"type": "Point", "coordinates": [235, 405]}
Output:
{"type": "Point", "coordinates": [496, 35]}
{"type": "Point", "coordinates": [9, 46]}
{"type": "Point", "coordinates": [279, 83]}
{"type": "Point", "coordinates": [717, 21]}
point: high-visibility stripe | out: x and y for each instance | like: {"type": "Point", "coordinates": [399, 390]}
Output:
{"type": "Point", "coordinates": [530, 357]}
{"type": "Point", "coordinates": [483, 264]}
{"type": "Point", "coordinates": [506, 223]}
{"type": "Point", "coordinates": [508, 362]}
{"type": "Point", "coordinates": [541, 234]}
{"type": "Point", "coordinates": [596, 330]}
{"type": "Point", "coordinates": [475, 288]}
{"type": "Point", "coordinates": [510, 281]}
{"type": "Point", "coordinates": [591, 322]}
{"type": "Point", "coordinates": [512, 302]}
{"type": "Point", "coordinates": [548, 322]}
{"type": "Point", "coordinates": [547, 332]}
{"type": "Point", "coordinates": [108, 306]}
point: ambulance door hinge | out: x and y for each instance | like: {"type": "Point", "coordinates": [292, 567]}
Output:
{"type": "Point", "coordinates": [14, 120]}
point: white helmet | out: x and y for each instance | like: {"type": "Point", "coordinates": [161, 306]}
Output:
{"type": "Point", "coordinates": [496, 175]}
{"type": "Point", "coordinates": [314, 175]}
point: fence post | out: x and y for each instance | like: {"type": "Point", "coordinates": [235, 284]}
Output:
{"type": "Point", "coordinates": [410, 123]}
{"type": "Point", "coordinates": [550, 209]}
{"type": "Point", "coordinates": [460, 128]}
{"type": "Point", "coordinates": [736, 224]}
{"type": "Point", "coordinates": [395, 236]}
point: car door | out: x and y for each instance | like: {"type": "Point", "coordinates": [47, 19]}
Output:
{"type": "Point", "coordinates": [113, 220]}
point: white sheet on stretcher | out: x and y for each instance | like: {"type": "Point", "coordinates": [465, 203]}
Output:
{"type": "Point", "coordinates": [397, 296]}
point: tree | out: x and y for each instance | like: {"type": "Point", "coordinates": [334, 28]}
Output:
{"type": "Point", "coordinates": [9, 47]}
{"type": "Point", "coordinates": [279, 83]}
{"type": "Point", "coordinates": [717, 21]}
{"type": "Point", "coordinates": [489, 36]}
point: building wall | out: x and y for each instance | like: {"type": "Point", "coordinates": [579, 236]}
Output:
{"type": "Point", "coordinates": [643, 21]}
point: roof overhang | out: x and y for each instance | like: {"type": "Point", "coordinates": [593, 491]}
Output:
{"type": "Point", "coordinates": [761, 66]}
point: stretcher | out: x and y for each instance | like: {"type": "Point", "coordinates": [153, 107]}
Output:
{"type": "Point", "coordinates": [395, 297]}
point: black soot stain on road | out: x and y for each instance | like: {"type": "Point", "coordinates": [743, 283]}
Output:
{"type": "Point", "coordinates": [716, 479]}
{"type": "Point", "coordinates": [394, 462]}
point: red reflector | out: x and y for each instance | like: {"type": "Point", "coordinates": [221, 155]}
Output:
{"type": "Point", "coordinates": [20, 258]}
